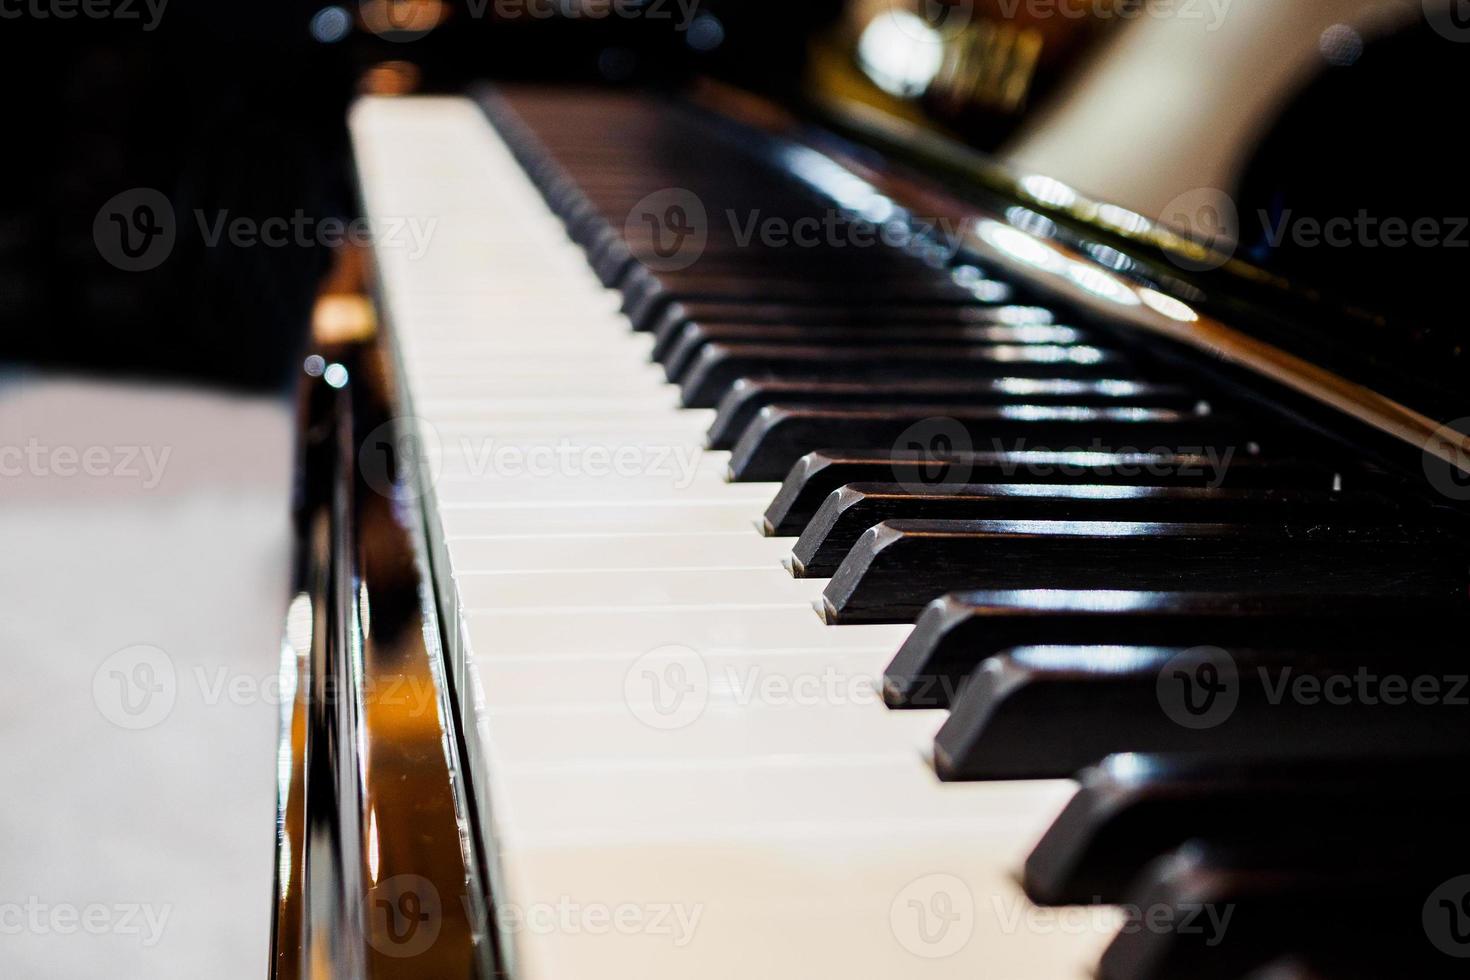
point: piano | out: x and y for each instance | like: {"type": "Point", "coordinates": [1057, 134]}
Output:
{"type": "Point", "coordinates": [897, 514]}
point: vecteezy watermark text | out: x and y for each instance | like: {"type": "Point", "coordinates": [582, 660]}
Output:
{"type": "Point", "coordinates": [405, 456]}
{"type": "Point", "coordinates": [146, 12]}
{"type": "Point", "coordinates": [935, 916]}
{"type": "Point", "coordinates": [1204, 919]}
{"type": "Point", "coordinates": [137, 688]}
{"type": "Point", "coordinates": [669, 687]}
{"type": "Point", "coordinates": [676, 921]}
{"type": "Point", "coordinates": [39, 918]}
{"type": "Point", "coordinates": [671, 229]}
{"type": "Point", "coordinates": [680, 12]}
{"type": "Point", "coordinates": [1364, 230]}
{"type": "Point", "coordinates": [1201, 688]}
{"type": "Point", "coordinates": [145, 464]}
{"type": "Point", "coordinates": [1212, 12]}
{"type": "Point", "coordinates": [138, 229]}
{"type": "Point", "coordinates": [1211, 219]}
{"type": "Point", "coordinates": [410, 20]}
{"type": "Point", "coordinates": [302, 230]}
{"type": "Point", "coordinates": [405, 914]}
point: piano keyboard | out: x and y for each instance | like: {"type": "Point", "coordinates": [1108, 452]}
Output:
{"type": "Point", "coordinates": [685, 519]}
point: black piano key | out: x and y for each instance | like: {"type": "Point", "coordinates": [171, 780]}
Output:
{"type": "Point", "coordinates": [648, 299]}
{"type": "Point", "coordinates": [853, 509]}
{"type": "Point", "coordinates": [957, 632]}
{"type": "Point", "coordinates": [836, 312]}
{"type": "Point", "coordinates": [1132, 808]}
{"type": "Point", "coordinates": [719, 366]}
{"type": "Point", "coordinates": [780, 435]}
{"type": "Point", "coordinates": [748, 396]}
{"type": "Point", "coordinates": [677, 356]}
{"type": "Point", "coordinates": [899, 566]}
{"type": "Point", "coordinates": [1357, 957]}
{"type": "Point", "coordinates": [998, 325]}
{"type": "Point", "coordinates": [817, 474]}
{"type": "Point", "coordinates": [788, 277]}
{"type": "Point", "coordinates": [1218, 914]}
{"type": "Point", "coordinates": [1047, 712]}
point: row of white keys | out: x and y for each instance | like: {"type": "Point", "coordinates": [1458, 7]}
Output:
{"type": "Point", "coordinates": [683, 772]}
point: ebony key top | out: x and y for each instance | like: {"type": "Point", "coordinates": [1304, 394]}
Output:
{"type": "Point", "coordinates": [813, 477]}
{"type": "Point", "coordinates": [1133, 808]}
{"type": "Point", "coordinates": [839, 312]}
{"type": "Point", "coordinates": [780, 435]}
{"type": "Point", "coordinates": [694, 337]}
{"type": "Point", "coordinates": [648, 298]}
{"type": "Point", "coordinates": [1047, 712]}
{"type": "Point", "coordinates": [719, 366]}
{"type": "Point", "coordinates": [958, 632]}
{"type": "Point", "coordinates": [1218, 913]}
{"type": "Point", "coordinates": [748, 396]}
{"type": "Point", "coordinates": [852, 510]}
{"type": "Point", "coordinates": [899, 566]}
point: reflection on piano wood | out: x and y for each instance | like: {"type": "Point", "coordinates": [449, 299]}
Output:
{"type": "Point", "coordinates": [1052, 582]}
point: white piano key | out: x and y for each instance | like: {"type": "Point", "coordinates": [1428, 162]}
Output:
{"type": "Point", "coordinates": [607, 588]}
{"type": "Point", "coordinates": [780, 677]}
{"type": "Point", "coordinates": [540, 552]}
{"type": "Point", "coordinates": [726, 799]}
{"type": "Point", "coordinates": [738, 732]}
{"type": "Point", "coordinates": [521, 632]}
{"type": "Point", "coordinates": [602, 516]}
{"type": "Point", "coordinates": [793, 906]}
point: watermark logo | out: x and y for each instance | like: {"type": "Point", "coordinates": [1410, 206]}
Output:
{"type": "Point", "coordinates": [403, 915]}
{"type": "Point", "coordinates": [400, 21]}
{"type": "Point", "coordinates": [1449, 18]}
{"type": "Point", "coordinates": [136, 687]}
{"type": "Point", "coordinates": [135, 230]}
{"type": "Point", "coordinates": [934, 916]}
{"type": "Point", "coordinates": [1446, 917]}
{"type": "Point", "coordinates": [1209, 218]}
{"type": "Point", "coordinates": [401, 458]}
{"type": "Point", "coordinates": [674, 224]}
{"type": "Point", "coordinates": [942, 445]}
{"type": "Point", "coordinates": [1199, 688]}
{"type": "Point", "coordinates": [1447, 460]}
{"type": "Point", "coordinates": [667, 688]}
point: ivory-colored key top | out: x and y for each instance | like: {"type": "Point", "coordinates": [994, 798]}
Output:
{"type": "Point", "coordinates": [730, 675]}
{"type": "Point", "coordinates": [520, 632]}
{"type": "Point", "coordinates": [593, 588]}
{"type": "Point", "coordinates": [792, 908]}
{"type": "Point", "coordinates": [511, 553]}
{"type": "Point", "coordinates": [598, 516]}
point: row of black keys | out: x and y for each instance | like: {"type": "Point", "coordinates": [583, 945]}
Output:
{"type": "Point", "coordinates": [1088, 592]}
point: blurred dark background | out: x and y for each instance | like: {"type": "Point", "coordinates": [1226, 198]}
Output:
{"type": "Point", "coordinates": [233, 110]}
{"type": "Point", "coordinates": [236, 110]}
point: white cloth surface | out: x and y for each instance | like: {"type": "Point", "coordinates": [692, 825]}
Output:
{"type": "Point", "coordinates": [139, 844]}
